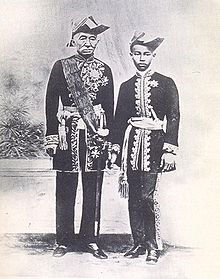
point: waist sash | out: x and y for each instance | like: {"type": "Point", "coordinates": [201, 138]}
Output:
{"type": "Point", "coordinates": [140, 123]}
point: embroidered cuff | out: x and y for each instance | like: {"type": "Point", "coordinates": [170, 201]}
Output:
{"type": "Point", "coordinates": [116, 148]}
{"type": "Point", "coordinates": [51, 140]}
{"type": "Point", "coordinates": [170, 148]}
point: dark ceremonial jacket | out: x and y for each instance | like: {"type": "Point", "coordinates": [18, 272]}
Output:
{"type": "Point", "coordinates": [98, 82]}
{"type": "Point", "coordinates": [136, 98]}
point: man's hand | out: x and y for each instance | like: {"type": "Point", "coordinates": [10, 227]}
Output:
{"type": "Point", "coordinates": [51, 150]}
{"type": "Point", "coordinates": [112, 168]}
{"type": "Point", "coordinates": [113, 158]}
{"type": "Point", "coordinates": [168, 162]}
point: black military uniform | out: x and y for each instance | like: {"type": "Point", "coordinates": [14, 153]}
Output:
{"type": "Point", "coordinates": [75, 83]}
{"type": "Point", "coordinates": [149, 97]}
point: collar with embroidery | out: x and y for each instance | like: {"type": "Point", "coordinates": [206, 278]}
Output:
{"type": "Point", "coordinates": [146, 73]}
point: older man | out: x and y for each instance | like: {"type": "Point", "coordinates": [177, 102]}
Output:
{"type": "Point", "coordinates": [79, 112]}
{"type": "Point", "coordinates": [148, 148]}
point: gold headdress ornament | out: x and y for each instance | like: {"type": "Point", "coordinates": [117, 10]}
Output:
{"type": "Point", "coordinates": [86, 25]}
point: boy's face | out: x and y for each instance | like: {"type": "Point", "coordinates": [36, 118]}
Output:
{"type": "Point", "coordinates": [85, 43]}
{"type": "Point", "coordinates": [142, 57]}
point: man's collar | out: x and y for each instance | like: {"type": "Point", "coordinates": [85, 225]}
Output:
{"type": "Point", "coordinates": [81, 58]}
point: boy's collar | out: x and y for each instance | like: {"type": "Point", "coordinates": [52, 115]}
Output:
{"type": "Point", "coordinates": [147, 72]}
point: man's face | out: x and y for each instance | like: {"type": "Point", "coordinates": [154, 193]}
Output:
{"type": "Point", "coordinates": [142, 57]}
{"type": "Point", "coordinates": [85, 43]}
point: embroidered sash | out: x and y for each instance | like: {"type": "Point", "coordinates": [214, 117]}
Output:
{"type": "Point", "coordinates": [79, 94]}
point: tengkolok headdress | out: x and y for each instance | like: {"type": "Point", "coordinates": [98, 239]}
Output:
{"type": "Point", "coordinates": [140, 38]}
{"type": "Point", "coordinates": [86, 25]}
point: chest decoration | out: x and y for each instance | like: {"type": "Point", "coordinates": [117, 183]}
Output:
{"type": "Point", "coordinates": [143, 87]}
{"type": "Point", "coordinates": [92, 74]}
{"type": "Point", "coordinates": [141, 146]}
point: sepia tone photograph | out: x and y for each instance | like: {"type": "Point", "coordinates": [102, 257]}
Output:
{"type": "Point", "coordinates": [109, 154]}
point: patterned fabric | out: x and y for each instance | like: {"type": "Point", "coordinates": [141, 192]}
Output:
{"type": "Point", "coordinates": [79, 93]}
{"type": "Point", "coordinates": [95, 78]}
{"type": "Point", "coordinates": [143, 108]}
{"type": "Point", "coordinates": [153, 96]}
{"type": "Point", "coordinates": [157, 214]}
{"type": "Point", "coordinates": [51, 140]}
{"type": "Point", "coordinates": [170, 148]}
{"type": "Point", "coordinates": [145, 125]}
{"type": "Point", "coordinates": [74, 138]}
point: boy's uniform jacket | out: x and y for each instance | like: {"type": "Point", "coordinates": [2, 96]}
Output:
{"type": "Point", "coordinates": [153, 97]}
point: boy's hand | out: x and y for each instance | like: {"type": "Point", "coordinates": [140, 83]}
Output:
{"type": "Point", "coordinates": [168, 162]}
